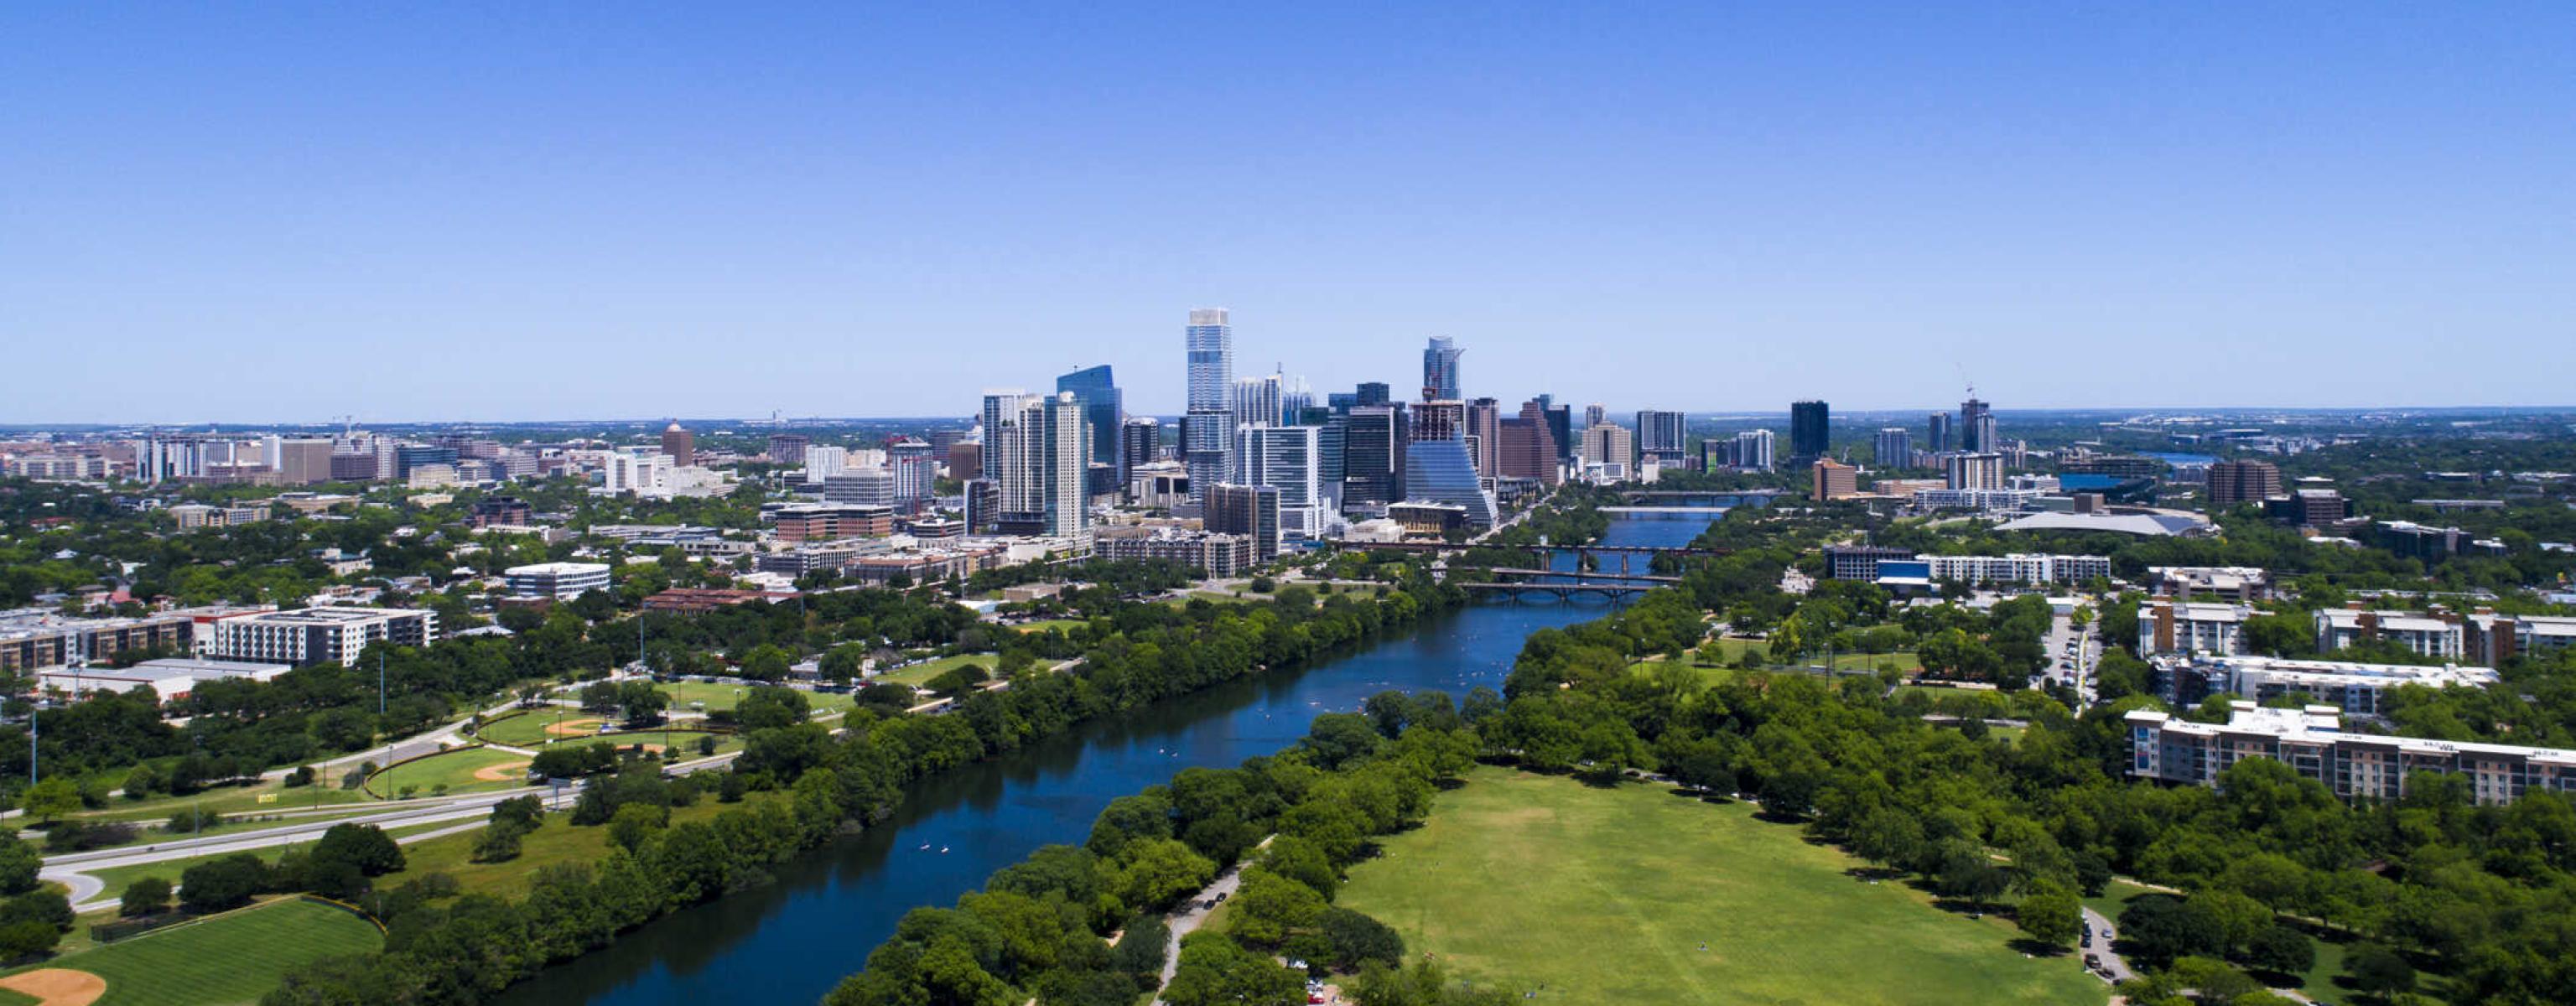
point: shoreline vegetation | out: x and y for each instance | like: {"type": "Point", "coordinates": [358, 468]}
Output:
{"type": "Point", "coordinates": [447, 949]}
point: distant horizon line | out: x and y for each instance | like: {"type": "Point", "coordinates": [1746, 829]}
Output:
{"type": "Point", "coordinates": [789, 421]}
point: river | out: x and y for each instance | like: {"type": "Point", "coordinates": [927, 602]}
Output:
{"type": "Point", "coordinates": [792, 940]}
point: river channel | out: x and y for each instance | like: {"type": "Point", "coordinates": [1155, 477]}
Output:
{"type": "Point", "coordinates": [791, 941]}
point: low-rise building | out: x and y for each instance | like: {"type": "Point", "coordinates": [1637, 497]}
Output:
{"type": "Point", "coordinates": [2240, 584]}
{"type": "Point", "coordinates": [2168, 626]}
{"type": "Point", "coordinates": [2312, 743]}
{"type": "Point", "coordinates": [558, 581]}
{"type": "Point", "coordinates": [2435, 635]}
{"type": "Point", "coordinates": [314, 635]}
{"type": "Point", "coordinates": [831, 521]}
{"type": "Point", "coordinates": [1221, 555]}
{"type": "Point", "coordinates": [170, 679]}
{"type": "Point", "coordinates": [2491, 639]}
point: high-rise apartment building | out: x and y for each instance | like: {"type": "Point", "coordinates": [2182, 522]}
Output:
{"type": "Point", "coordinates": [822, 461]}
{"type": "Point", "coordinates": [302, 461]}
{"type": "Point", "coordinates": [1440, 370]}
{"type": "Point", "coordinates": [1976, 471]}
{"type": "Point", "coordinates": [1103, 407]}
{"type": "Point", "coordinates": [1064, 448]}
{"type": "Point", "coordinates": [1288, 459]}
{"type": "Point", "coordinates": [1374, 393]}
{"type": "Point", "coordinates": [1595, 414]}
{"type": "Point", "coordinates": [1207, 431]}
{"type": "Point", "coordinates": [1810, 430]}
{"type": "Point", "coordinates": [1246, 510]}
{"type": "Point", "coordinates": [1528, 449]}
{"type": "Point", "coordinates": [1894, 448]}
{"type": "Point", "coordinates": [1140, 442]}
{"type": "Point", "coordinates": [1663, 437]}
{"type": "Point", "coordinates": [1938, 438]}
{"type": "Point", "coordinates": [680, 444]}
{"type": "Point", "coordinates": [1256, 402]}
{"type": "Point", "coordinates": [915, 469]}
{"type": "Point", "coordinates": [1977, 427]}
{"type": "Point", "coordinates": [1608, 443]}
{"type": "Point", "coordinates": [1485, 434]}
{"type": "Point", "coordinates": [1438, 472]}
{"type": "Point", "coordinates": [788, 448]}
{"type": "Point", "coordinates": [1754, 451]}
{"type": "Point", "coordinates": [2234, 482]}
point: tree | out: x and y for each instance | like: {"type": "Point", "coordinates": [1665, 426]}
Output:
{"type": "Point", "coordinates": [2281, 950]}
{"type": "Point", "coordinates": [19, 864]}
{"type": "Point", "coordinates": [223, 883]}
{"type": "Point", "coordinates": [20, 940]}
{"type": "Point", "coordinates": [766, 662]}
{"type": "Point", "coordinates": [634, 823]}
{"type": "Point", "coordinates": [499, 843]}
{"type": "Point", "coordinates": [49, 906]}
{"type": "Point", "coordinates": [51, 800]}
{"type": "Point", "coordinates": [2376, 969]}
{"type": "Point", "coordinates": [1269, 906]}
{"type": "Point", "coordinates": [145, 896]}
{"type": "Point", "coordinates": [363, 846]}
{"type": "Point", "coordinates": [2050, 917]}
{"type": "Point", "coordinates": [1356, 939]}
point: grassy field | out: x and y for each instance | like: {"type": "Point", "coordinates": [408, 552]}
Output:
{"type": "Point", "coordinates": [231, 958]}
{"type": "Point", "coordinates": [1905, 662]}
{"type": "Point", "coordinates": [718, 695]}
{"type": "Point", "coordinates": [117, 877]}
{"type": "Point", "coordinates": [461, 771]}
{"type": "Point", "coordinates": [1637, 895]}
{"type": "Point", "coordinates": [556, 842]}
{"type": "Point", "coordinates": [2318, 982]}
{"type": "Point", "coordinates": [1043, 624]}
{"type": "Point", "coordinates": [919, 674]}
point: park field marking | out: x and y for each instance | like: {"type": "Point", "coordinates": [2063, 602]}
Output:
{"type": "Point", "coordinates": [503, 772]}
{"type": "Point", "coordinates": [57, 986]}
{"type": "Point", "coordinates": [575, 728]}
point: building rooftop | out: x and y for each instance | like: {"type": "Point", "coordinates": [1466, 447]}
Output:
{"type": "Point", "coordinates": [2322, 724]}
{"type": "Point", "coordinates": [2149, 525]}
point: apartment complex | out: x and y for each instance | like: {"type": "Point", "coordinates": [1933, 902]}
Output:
{"type": "Point", "coordinates": [315, 635]}
{"type": "Point", "coordinates": [1219, 554]}
{"type": "Point", "coordinates": [2168, 626]}
{"type": "Point", "coordinates": [2431, 635]}
{"type": "Point", "coordinates": [2313, 744]}
{"type": "Point", "coordinates": [2356, 689]}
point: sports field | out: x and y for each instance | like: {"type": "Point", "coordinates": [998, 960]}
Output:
{"type": "Point", "coordinates": [1637, 895]}
{"type": "Point", "coordinates": [230, 958]}
{"type": "Point", "coordinates": [536, 727]}
{"type": "Point", "coordinates": [720, 695]}
{"type": "Point", "coordinates": [462, 770]}
{"type": "Point", "coordinates": [921, 673]}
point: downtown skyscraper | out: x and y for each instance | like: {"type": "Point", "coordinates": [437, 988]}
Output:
{"type": "Point", "coordinates": [1207, 429]}
{"type": "Point", "coordinates": [1440, 370]}
{"type": "Point", "coordinates": [1103, 407]}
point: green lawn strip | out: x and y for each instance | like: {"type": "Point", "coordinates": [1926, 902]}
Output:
{"type": "Point", "coordinates": [1043, 624]}
{"type": "Point", "coordinates": [116, 877]}
{"type": "Point", "coordinates": [721, 695]}
{"type": "Point", "coordinates": [921, 673]}
{"type": "Point", "coordinates": [455, 770]}
{"type": "Point", "coordinates": [8, 998]}
{"type": "Point", "coordinates": [235, 957]}
{"type": "Point", "coordinates": [1519, 880]}
{"type": "Point", "coordinates": [558, 841]}
{"type": "Point", "coordinates": [267, 797]}
{"type": "Point", "coordinates": [537, 726]}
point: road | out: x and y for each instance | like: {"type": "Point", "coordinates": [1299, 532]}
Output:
{"type": "Point", "coordinates": [1193, 914]}
{"type": "Point", "coordinates": [466, 812]}
{"type": "Point", "coordinates": [2102, 937]}
{"type": "Point", "coordinates": [2072, 668]}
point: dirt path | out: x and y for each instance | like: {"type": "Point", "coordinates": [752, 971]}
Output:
{"type": "Point", "coordinates": [58, 986]}
{"type": "Point", "coordinates": [503, 772]}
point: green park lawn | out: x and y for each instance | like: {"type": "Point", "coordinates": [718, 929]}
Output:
{"type": "Point", "coordinates": [1609, 895]}
{"type": "Point", "coordinates": [235, 957]}
{"type": "Point", "coordinates": [718, 695]}
{"type": "Point", "coordinates": [116, 877]}
{"type": "Point", "coordinates": [556, 842]}
{"type": "Point", "coordinates": [921, 673]}
{"type": "Point", "coordinates": [1043, 624]}
{"type": "Point", "coordinates": [1906, 662]}
{"type": "Point", "coordinates": [460, 771]}
{"type": "Point", "coordinates": [538, 726]}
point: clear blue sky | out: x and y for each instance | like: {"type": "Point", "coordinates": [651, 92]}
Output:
{"type": "Point", "coordinates": [291, 211]}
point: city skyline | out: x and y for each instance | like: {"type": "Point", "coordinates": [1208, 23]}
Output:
{"type": "Point", "coordinates": [522, 217]}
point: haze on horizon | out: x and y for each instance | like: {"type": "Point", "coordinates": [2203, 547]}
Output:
{"type": "Point", "coordinates": [283, 215]}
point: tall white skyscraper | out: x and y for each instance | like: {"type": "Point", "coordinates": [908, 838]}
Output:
{"type": "Point", "coordinates": [1207, 431]}
{"type": "Point", "coordinates": [1753, 450]}
{"type": "Point", "coordinates": [1289, 459]}
{"type": "Point", "coordinates": [1256, 401]}
{"type": "Point", "coordinates": [1064, 448]}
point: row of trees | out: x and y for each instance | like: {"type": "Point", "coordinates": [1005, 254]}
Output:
{"type": "Point", "coordinates": [462, 951]}
{"type": "Point", "coordinates": [1037, 928]}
